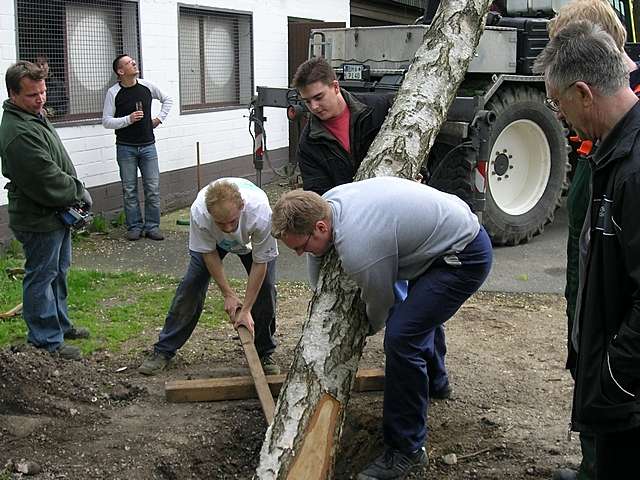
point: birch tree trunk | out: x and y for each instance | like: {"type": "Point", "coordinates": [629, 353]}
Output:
{"type": "Point", "coordinates": [302, 441]}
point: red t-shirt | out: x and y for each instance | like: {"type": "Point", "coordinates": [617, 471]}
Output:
{"type": "Point", "coordinates": [339, 128]}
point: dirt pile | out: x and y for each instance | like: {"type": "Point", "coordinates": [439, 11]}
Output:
{"type": "Point", "coordinates": [93, 419]}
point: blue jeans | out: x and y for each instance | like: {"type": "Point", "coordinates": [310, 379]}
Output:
{"type": "Point", "coordinates": [44, 288]}
{"type": "Point", "coordinates": [130, 159]}
{"type": "Point", "coordinates": [188, 302]}
{"type": "Point", "coordinates": [434, 297]}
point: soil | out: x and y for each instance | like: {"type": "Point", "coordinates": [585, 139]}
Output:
{"type": "Point", "coordinates": [507, 418]}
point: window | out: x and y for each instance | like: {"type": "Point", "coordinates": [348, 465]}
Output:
{"type": "Point", "coordinates": [215, 59]}
{"type": "Point", "coordinates": [77, 40]}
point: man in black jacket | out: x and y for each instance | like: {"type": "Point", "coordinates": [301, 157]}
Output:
{"type": "Point", "coordinates": [332, 145]}
{"type": "Point", "coordinates": [587, 83]}
{"type": "Point", "coordinates": [340, 130]}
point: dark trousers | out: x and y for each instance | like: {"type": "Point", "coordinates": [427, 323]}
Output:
{"type": "Point", "coordinates": [587, 470]}
{"type": "Point", "coordinates": [438, 377]}
{"type": "Point", "coordinates": [188, 302]}
{"type": "Point", "coordinates": [433, 298]}
{"type": "Point", "coordinates": [618, 455]}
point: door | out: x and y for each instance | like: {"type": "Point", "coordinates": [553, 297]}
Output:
{"type": "Point", "coordinates": [299, 30]}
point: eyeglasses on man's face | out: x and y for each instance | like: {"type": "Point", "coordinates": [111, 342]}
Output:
{"type": "Point", "coordinates": [553, 104]}
{"type": "Point", "coordinates": [303, 248]}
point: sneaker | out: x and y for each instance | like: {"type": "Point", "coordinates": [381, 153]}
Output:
{"type": "Point", "coordinates": [133, 235]}
{"type": "Point", "coordinates": [75, 333]}
{"type": "Point", "coordinates": [565, 474]}
{"type": "Point", "coordinates": [68, 352]}
{"type": "Point", "coordinates": [154, 364]}
{"type": "Point", "coordinates": [443, 393]}
{"type": "Point", "coordinates": [269, 365]}
{"type": "Point", "coordinates": [154, 235]}
{"type": "Point", "coordinates": [394, 465]}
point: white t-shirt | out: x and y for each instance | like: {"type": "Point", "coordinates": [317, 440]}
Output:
{"type": "Point", "coordinates": [254, 228]}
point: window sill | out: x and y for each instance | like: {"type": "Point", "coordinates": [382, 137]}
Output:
{"type": "Point", "coordinates": [192, 111]}
{"type": "Point", "coordinates": [76, 123]}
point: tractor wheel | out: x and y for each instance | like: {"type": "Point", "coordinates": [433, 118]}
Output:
{"type": "Point", "coordinates": [527, 168]}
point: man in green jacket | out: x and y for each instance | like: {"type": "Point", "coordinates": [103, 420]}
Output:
{"type": "Point", "coordinates": [42, 182]}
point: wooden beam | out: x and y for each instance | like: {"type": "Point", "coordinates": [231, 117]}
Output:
{"type": "Point", "coordinates": [241, 388]}
{"type": "Point", "coordinates": [259, 379]}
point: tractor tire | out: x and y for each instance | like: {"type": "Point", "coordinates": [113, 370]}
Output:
{"type": "Point", "coordinates": [536, 148]}
{"type": "Point", "coordinates": [528, 165]}
{"type": "Point", "coordinates": [455, 175]}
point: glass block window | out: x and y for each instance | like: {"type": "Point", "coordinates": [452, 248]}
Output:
{"type": "Point", "coordinates": [216, 59]}
{"type": "Point", "coordinates": [77, 40]}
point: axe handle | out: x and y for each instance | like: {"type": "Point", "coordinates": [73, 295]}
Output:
{"type": "Point", "coordinates": [259, 379]}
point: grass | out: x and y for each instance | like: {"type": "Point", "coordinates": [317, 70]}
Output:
{"type": "Point", "coordinates": [116, 307]}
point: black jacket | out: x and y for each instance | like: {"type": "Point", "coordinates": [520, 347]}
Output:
{"type": "Point", "coordinates": [323, 162]}
{"type": "Point", "coordinates": [607, 391]}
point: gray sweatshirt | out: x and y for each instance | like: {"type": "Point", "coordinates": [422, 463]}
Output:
{"type": "Point", "coordinates": [387, 229]}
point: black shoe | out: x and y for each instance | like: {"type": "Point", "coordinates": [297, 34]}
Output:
{"type": "Point", "coordinates": [67, 352]}
{"type": "Point", "coordinates": [154, 234]}
{"type": "Point", "coordinates": [565, 474]}
{"type": "Point", "coordinates": [154, 364]}
{"type": "Point", "coordinates": [394, 465]}
{"type": "Point", "coordinates": [133, 235]}
{"type": "Point", "coordinates": [443, 393]}
{"type": "Point", "coordinates": [269, 365]}
{"type": "Point", "coordinates": [75, 333]}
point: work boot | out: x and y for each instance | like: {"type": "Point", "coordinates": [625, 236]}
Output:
{"type": "Point", "coordinates": [154, 235]}
{"type": "Point", "coordinates": [133, 234]}
{"type": "Point", "coordinates": [565, 474]}
{"type": "Point", "coordinates": [443, 393]}
{"type": "Point", "coordinates": [67, 352]}
{"type": "Point", "coordinates": [154, 364]}
{"type": "Point", "coordinates": [76, 333]}
{"type": "Point", "coordinates": [269, 365]}
{"type": "Point", "coordinates": [394, 465]}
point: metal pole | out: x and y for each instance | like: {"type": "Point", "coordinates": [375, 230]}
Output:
{"type": "Point", "coordinates": [198, 164]}
{"type": "Point", "coordinates": [258, 153]}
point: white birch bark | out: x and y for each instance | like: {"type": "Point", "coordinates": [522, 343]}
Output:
{"type": "Point", "coordinates": [302, 440]}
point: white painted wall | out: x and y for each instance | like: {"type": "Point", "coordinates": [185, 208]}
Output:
{"type": "Point", "coordinates": [222, 134]}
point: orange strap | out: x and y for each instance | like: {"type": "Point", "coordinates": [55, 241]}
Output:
{"type": "Point", "coordinates": [585, 148]}
{"type": "Point", "coordinates": [636, 89]}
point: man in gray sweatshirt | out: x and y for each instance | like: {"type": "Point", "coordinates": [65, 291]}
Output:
{"type": "Point", "coordinates": [387, 229]}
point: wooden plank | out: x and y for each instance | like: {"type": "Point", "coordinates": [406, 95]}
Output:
{"type": "Point", "coordinates": [259, 380]}
{"type": "Point", "coordinates": [242, 388]}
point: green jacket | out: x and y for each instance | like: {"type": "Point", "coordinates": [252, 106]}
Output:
{"type": "Point", "coordinates": [41, 176]}
{"type": "Point", "coordinates": [577, 208]}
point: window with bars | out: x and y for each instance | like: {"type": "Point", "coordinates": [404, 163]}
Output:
{"type": "Point", "coordinates": [216, 59]}
{"type": "Point", "coordinates": [77, 40]}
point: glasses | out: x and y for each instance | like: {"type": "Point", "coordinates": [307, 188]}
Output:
{"type": "Point", "coordinates": [302, 248]}
{"type": "Point", "coordinates": [554, 104]}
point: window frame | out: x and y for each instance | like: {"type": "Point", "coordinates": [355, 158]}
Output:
{"type": "Point", "coordinates": [217, 106]}
{"type": "Point", "coordinates": [92, 118]}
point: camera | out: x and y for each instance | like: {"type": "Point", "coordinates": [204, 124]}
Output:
{"type": "Point", "coordinates": [77, 216]}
